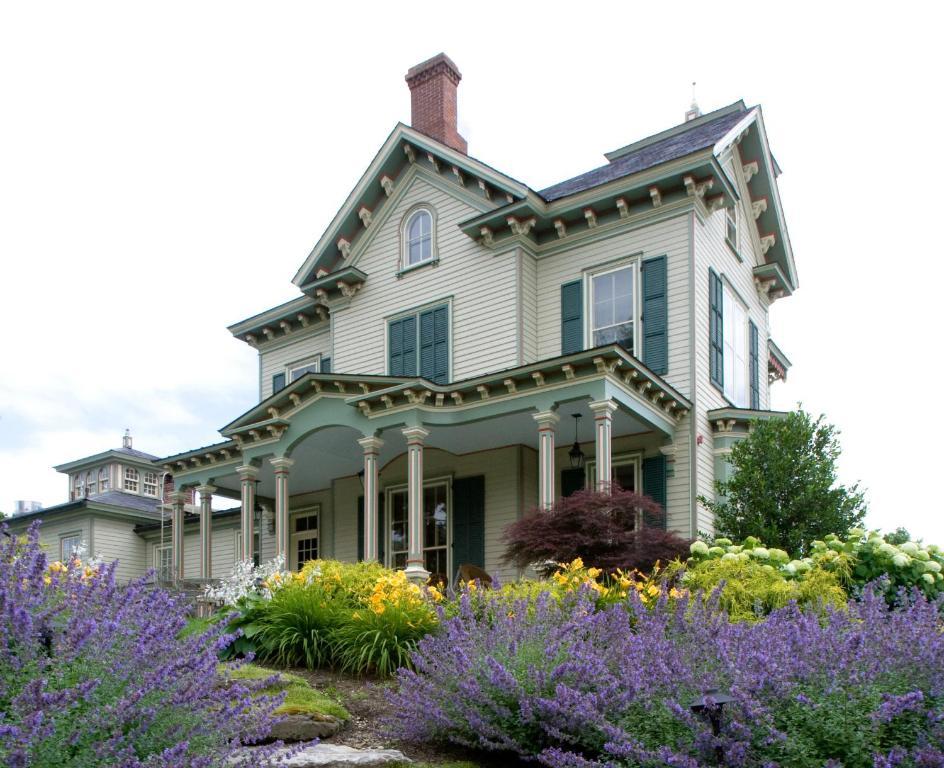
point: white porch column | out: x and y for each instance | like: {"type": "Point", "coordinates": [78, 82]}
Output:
{"type": "Point", "coordinates": [282, 466]}
{"type": "Point", "coordinates": [415, 562]}
{"type": "Point", "coordinates": [371, 446]}
{"type": "Point", "coordinates": [603, 421]}
{"type": "Point", "coordinates": [547, 423]}
{"type": "Point", "coordinates": [247, 477]}
{"type": "Point", "coordinates": [206, 530]}
{"type": "Point", "coordinates": [177, 500]}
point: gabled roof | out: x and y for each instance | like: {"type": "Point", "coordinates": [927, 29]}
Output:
{"type": "Point", "coordinates": [119, 454]}
{"type": "Point", "coordinates": [672, 144]}
{"type": "Point", "coordinates": [402, 147]}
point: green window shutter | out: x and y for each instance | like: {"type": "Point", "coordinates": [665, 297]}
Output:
{"type": "Point", "coordinates": [572, 480]}
{"type": "Point", "coordinates": [402, 347]}
{"type": "Point", "coordinates": [654, 485]}
{"type": "Point", "coordinates": [278, 382]}
{"type": "Point", "coordinates": [655, 314]}
{"type": "Point", "coordinates": [716, 328]}
{"type": "Point", "coordinates": [755, 366]}
{"type": "Point", "coordinates": [434, 344]}
{"type": "Point", "coordinates": [325, 365]}
{"type": "Point", "coordinates": [468, 521]}
{"type": "Point", "coordinates": [572, 317]}
{"type": "Point", "coordinates": [360, 528]}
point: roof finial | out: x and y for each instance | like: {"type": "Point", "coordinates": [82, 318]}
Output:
{"type": "Point", "coordinates": [126, 440]}
{"type": "Point", "coordinates": [693, 110]}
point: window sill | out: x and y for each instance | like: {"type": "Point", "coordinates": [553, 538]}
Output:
{"type": "Point", "coordinates": [434, 262]}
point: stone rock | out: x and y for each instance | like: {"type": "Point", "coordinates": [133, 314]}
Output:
{"type": "Point", "coordinates": [337, 756]}
{"type": "Point", "coordinates": [304, 728]}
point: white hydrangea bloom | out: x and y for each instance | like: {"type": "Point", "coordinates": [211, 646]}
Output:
{"type": "Point", "coordinates": [247, 579]}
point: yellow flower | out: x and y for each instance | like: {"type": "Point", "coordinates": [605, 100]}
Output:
{"type": "Point", "coordinates": [593, 572]}
{"type": "Point", "coordinates": [47, 580]}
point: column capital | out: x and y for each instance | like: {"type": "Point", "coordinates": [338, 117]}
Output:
{"type": "Point", "coordinates": [603, 408]}
{"type": "Point", "coordinates": [282, 463]}
{"type": "Point", "coordinates": [371, 444]}
{"type": "Point", "coordinates": [247, 472]}
{"type": "Point", "coordinates": [206, 490]}
{"type": "Point", "coordinates": [546, 418]}
{"type": "Point", "coordinates": [415, 435]}
{"type": "Point", "coordinates": [177, 498]}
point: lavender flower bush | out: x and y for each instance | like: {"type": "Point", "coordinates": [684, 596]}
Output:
{"type": "Point", "coordinates": [575, 687]}
{"type": "Point", "coordinates": [93, 674]}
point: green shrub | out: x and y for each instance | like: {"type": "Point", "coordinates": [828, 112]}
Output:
{"type": "Point", "coordinates": [359, 617]}
{"type": "Point", "coordinates": [748, 590]}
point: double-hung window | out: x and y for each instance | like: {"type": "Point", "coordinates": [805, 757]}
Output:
{"type": "Point", "coordinates": [150, 483]}
{"type": "Point", "coordinates": [418, 238]}
{"type": "Point", "coordinates": [69, 545]}
{"type": "Point", "coordinates": [103, 480]}
{"type": "Point", "coordinates": [732, 334]}
{"type": "Point", "coordinates": [131, 479]}
{"type": "Point", "coordinates": [613, 307]}
{"type": "Point", "coordinates": [297, 370]}
{"type": "Point", "coordinates": [418, 344]}
{"type": "Point", "coordinates": [164, 562]}
{"type": "Point", "coordinates": [304, 539]}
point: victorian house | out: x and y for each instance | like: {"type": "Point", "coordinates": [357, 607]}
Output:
{"type": "Point", "coordinates": [462, 348]}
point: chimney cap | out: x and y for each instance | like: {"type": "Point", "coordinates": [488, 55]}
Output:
{"type": "Point", "coordinates": [433, 66]}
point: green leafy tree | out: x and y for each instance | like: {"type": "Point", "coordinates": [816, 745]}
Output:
{"type": "Point", "coordinates": [784, 488]}
{"type": "Point", "coordinates": [899, 536]}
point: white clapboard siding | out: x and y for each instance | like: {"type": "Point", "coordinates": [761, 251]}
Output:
{"type": "Point", "coordinates": [482, 287]}
{"type": "Point", "coordinates": [670, 238]}
{"type": "Point", "coordinates": [276, 356]}
{"type": "Point", "coordinates": [711, 251]}
{"type": "Point", "coordinates": [116, 540]}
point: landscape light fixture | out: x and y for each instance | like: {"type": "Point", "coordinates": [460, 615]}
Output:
{"type": "Point", "coordinates": [710, 705]}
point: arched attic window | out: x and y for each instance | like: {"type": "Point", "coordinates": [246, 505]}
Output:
{"type": "Point", "coordinates": [418, 238]}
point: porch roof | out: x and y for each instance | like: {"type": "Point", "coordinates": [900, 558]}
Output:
{"type": "Point", "coordinates": [371, 403]}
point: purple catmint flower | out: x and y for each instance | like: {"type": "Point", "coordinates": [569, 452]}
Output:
{"type": "Point", "coordinates": [95, 674]}
{"type": "Point", "coordinates": [571, 686]}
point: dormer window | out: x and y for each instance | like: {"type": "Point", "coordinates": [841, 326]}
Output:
{"type": "Point", "coordinates": [418, 245]}
{"type": "Point", "coordinates": [131, 479]}
{"type": "Point", "coordinates": [150, 483]}
{"type": "Point", "coordinates": [103, 481]}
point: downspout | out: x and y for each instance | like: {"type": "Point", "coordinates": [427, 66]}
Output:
{"type": "Point", "coordinates": [163, 488]}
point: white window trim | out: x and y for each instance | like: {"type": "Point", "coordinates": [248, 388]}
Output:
{"type": "Point", "coordinates": [731, 213]}
{"type": "Point", "coordinates": [158, 550]}
{"type": "Point", "coordinates": [136, 480]}
{"type": "Point", "coordinates": [70, 535]}
{"type": "Point", "coordinates": [634, 263]}
{"type": "Point", "coordinates": [403, 265]}
{"type": "Point", "coordinates": [145, 484]}
{"type": "Point", "coordinates": [389, 491]}
{"type": "Point", "coordinates": [619, 460]}
{"type": "Point", "coordinates": [314, 509]}
{"type": "Point", "coordinates": [303, 363]}
{"type": "Point", "coordinates": [731, 297]}
{"type": "Point", "coordinates": [417, 311]}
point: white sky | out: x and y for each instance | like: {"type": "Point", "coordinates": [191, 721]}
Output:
{"type": "Point", "coordinates": [166, 167]}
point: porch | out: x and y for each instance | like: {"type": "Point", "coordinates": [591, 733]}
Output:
{"type": "Point", "coordinates": [426, 477]}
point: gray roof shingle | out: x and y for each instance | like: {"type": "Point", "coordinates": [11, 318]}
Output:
{"type": "Point", "coordinates": [127, 501]}
{"type": "Point", "coordinates": [678, 143]}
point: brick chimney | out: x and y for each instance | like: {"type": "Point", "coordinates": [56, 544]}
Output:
{"type": "Point", "coordinates": [433, 86]}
